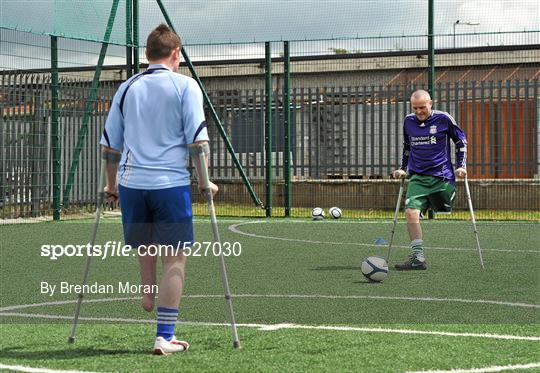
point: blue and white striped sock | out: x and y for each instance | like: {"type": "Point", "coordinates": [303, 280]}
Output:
{"type": "Point", "coordinates": [166, 319]}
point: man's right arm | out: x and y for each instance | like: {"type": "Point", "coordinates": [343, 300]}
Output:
{"type": "Point", "coordinates": [112, 141]}
{"type": "Point", "coordinates": [402, 171]}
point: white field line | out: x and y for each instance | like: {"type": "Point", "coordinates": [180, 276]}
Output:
{"type": "Point", "coordinates": [62, 302]}
{"type": "Point", "coordinates": [273, 327]}
{"type": "Point", "coordinates": [234, 228]}
{"type": "Point", "coordinates": [495, 368]}
{"type": "Point", "coordinates": [361, 221]}
{"type": "Point", "coordinates": [22, 368]}
{"type": "Point", "coordinates": [288, 296]}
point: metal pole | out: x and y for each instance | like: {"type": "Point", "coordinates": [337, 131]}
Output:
{"type": "Point", "coordinates": [454, 34]}
{"type": "Point", "coordinates": [469, 202]}
{"type": "Point", "coordinates": [287, 161]}
{"type": "Point", "coordinates": [213, 113]}
{"type": "Point", "coordinates": [431, 63]}
{"type": "Point", "coordinates": [55, 135]}
{"type": "Point", "coordinates": [135, 36]}
{"type": "Point", "coordinates": [396, 212]}
{"type": "Point", "coordinates": [204, 183]}
{"type": "Point", "coordinates": [89, 105]}
{"type": "Point", "coordinates": [431, 49]}
{"type": "Point", "coordinates": [268, 127]}
{"type": "Point", "coordinates": [129, 42]}
{"type": "Point", "coordinates": [99, 203]}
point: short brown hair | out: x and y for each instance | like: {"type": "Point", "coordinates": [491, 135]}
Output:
{"type": "Point", "coordinates": [161, 42]}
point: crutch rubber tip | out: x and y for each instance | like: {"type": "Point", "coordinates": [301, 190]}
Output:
{"type": "Point", "coordinates": [71, 340]}
{"type": "Point", "coordinates": [236, 344]}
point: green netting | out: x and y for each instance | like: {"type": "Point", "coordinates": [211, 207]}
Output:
{"type": "Point", "coordinates": [86, 20]}
{"type": "Point", "coordinates": [353, 66]}
{"type": "Point", "coordinates": [218, 21]}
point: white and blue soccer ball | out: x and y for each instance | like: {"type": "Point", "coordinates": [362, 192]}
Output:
{"type": "Point", "coordinates": [374, 268]}
{"type": "Point", "coordinates": [335, 212]}
{"type": "Point", "coordinates": [317, 213]}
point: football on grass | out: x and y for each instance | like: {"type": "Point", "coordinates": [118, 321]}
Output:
{"type": "Point", "coordinates": [374, 268]}
{"type": "Point", "coordinates": [335, 212]}
{"type": "Point", "coordinates": [317, 213]}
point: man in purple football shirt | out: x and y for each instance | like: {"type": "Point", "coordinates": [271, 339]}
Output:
{"type": "Point", "coordinates": [427, 158]}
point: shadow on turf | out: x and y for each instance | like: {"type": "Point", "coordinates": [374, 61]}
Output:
{"type": "Point", "coordinates": [366, 282]}
{"type": "Point", "coordinates": [336, 268]}
{"type": "Point", "coordinates": [19, 353]}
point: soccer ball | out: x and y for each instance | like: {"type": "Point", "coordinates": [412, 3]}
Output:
{"type": "Point", "coordinates": [374, 268]}
{"type": "Point", "coordinates": [335, 212]}
{"type": "Point", "coordinates": [317, 213]}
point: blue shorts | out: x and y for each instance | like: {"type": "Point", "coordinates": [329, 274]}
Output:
{"type": "Point", "coordinates": [160, 216]}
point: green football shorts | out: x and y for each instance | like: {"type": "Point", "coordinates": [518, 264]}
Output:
{"type": "Point", "coordinates": [426, 191]}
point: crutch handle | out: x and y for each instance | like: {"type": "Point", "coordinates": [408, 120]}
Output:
{"type": "Point", "coordinates": [198, 153]}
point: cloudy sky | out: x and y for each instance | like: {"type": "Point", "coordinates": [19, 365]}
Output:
{"type": "Point", "coordinates": [242, 21]}
{"type": "Point", "coordinates": [223, 21]}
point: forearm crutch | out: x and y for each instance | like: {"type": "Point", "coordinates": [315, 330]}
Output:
{"type": "Point", "coordinates": [198, 155]}
{"type": "Point", "coordinates": [99, 204]}
{"type": "Point", "coordinates": [469, 202]}
{"type": "Point", "coordinates": [398, 203]}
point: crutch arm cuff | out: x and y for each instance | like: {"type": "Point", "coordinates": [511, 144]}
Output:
{"type": "Point", "coordinates": [199, 148]}
{"type": "Point", "coordinates": [111, 156]}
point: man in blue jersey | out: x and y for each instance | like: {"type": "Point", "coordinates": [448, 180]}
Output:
{"type": "Point", "coordinates": [427, 158]}
{"type": "Point", "coordinates": [155, 117]}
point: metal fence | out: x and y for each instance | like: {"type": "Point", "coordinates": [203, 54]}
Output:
{"type": "Point", "coordinates": [356, 132]}
{"type": "Point", "coordinates": [347, 98]}
{"type": "Point", "coordinates": [339, 134]}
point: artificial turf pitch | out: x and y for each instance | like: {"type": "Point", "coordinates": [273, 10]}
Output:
{"type": "Point", "coordinates": [299, 297]}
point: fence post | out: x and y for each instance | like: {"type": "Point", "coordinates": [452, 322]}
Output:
{"type": "Point", "coordinates": [268, 126]}
{"type": "Point", "coordinates": [431, 49]}
{"type": "Point", "coordinates": [129, 41]}
{"type": "Point", "coordinates": [135, 26]}
{"type": "Point", "coordinates": [431, 63]}
{"type": "Point", "coordinates": [55, 136]}
{"type": "Point", "coordinates": [537, 124]}
{"type": "Point", "coordinates": [287, 122]}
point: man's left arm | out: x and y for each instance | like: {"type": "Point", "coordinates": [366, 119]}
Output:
{"type": "Point", "coordinates": [460, 140]}
{"type": "Point", "coordinates": [196, 132]}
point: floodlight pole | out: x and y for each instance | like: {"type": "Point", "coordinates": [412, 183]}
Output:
{"type": "Point", "coordinates": [458, 22]}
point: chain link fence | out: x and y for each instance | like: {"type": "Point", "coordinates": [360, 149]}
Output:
{"type": "Point", "coordinates": [347, 98]}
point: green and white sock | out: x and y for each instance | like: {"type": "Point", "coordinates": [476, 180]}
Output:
{"type": "Point", "coordinates": [417, 249]}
